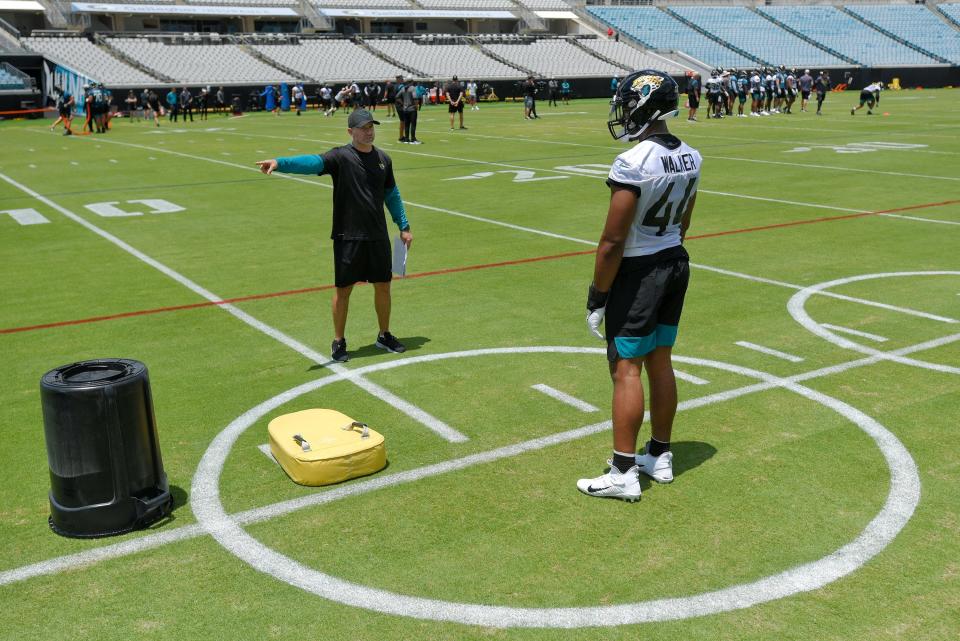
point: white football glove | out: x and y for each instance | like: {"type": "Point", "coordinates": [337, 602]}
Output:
{"type": "Point", "coordinates": [594, 320]}
{"type": "Point", "coordinates": [596, 308]}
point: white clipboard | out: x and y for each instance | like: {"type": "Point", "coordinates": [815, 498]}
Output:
{"type": "Point", "coordinates": [399, 257]}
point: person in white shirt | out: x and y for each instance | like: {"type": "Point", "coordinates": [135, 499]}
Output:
{"type": "Point", "coordinates": [870, 96]}
{"type": "Point", "coordinates": [640, 277]}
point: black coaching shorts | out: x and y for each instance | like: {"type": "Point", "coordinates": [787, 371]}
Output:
{"type": "Point", "coordinates": [361, 260]}
{"type": "Point", "coordinates": [455, 108]}
{"type": "Point", "coordinates": [693, 101]}
{"type": "Point", "coordinates": [645, 303]}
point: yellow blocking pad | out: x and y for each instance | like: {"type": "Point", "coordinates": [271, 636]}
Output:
{"type": "Point", "coordinates": [320, 447]}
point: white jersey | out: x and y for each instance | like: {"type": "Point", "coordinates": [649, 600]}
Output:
{"type": "Point", "coordinates": [874, 87]}
{"type": "Point", "coordinates": [664, 173]}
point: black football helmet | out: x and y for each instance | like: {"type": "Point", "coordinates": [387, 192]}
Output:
{"type": "Point", "coordinates": [641, 98]}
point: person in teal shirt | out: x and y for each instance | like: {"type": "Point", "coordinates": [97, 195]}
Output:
{"type": "Point", "coordinates": [173, 105]}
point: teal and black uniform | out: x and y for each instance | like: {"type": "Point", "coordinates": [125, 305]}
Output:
{"type": "Point", "coordinates": [363, 183]}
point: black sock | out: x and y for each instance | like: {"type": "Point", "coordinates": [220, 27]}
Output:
{"type": "Point", "coordinates": [656, 448]}
{"type": "Point", "coordinates": [623, 462]}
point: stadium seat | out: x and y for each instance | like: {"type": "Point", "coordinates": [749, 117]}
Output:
{"type": "Point", "coordinates": [847, 35]}
{"type": "Point", "coordinates": [661, 31]}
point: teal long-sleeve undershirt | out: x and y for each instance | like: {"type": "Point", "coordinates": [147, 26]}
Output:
{"type": "Point", "coordinates": [397, 211]}
{"type": "Point", "coordinates": [312, 164]}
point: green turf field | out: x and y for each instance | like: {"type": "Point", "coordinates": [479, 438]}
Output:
{"type": "Point", "coordinates": [818, 485]}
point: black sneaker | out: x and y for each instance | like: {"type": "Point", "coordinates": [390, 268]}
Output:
{"type": "Point", "coordinates": [338, 351]}
{"type": "Point", "coordinates": [390, 343]}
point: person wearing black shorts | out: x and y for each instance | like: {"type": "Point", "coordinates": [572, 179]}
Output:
{"type": "Point", "coordinates": [640, 278]}
{"type": "Point", "coordinates": [454, 93]}
{"type": "Point", "coordinates": [363, 183]}
{"type": "Point", "coordinates": [693, 95]}
{"type": "Point", "coordinates": [65, 106]}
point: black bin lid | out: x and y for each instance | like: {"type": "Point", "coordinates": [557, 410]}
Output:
{"type": "Point", "coordinates": [93, 373]}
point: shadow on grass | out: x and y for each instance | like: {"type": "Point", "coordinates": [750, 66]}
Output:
{"type": "Point", "coordinates": [413, 343]}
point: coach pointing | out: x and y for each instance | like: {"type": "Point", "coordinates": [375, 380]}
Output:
{"type": "Point", "coordinates": [362, 183]}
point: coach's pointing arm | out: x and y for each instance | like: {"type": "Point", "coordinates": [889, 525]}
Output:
{"type": "Point", "coordinates": [310, 164]}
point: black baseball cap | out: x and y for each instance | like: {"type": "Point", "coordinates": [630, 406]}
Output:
{"type": "Point", "coordinates": [359, 118]}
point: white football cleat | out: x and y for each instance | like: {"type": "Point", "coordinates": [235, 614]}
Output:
{"type": "Point", "coordinates": [659, 468]}
{"type": "Point", "coordinates": [614, 485]}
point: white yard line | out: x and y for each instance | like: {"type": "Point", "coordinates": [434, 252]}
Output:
{"type": "Point", "coordinates": [563, 397]}
{"type": "Point", "coordinates": [925, 220]}
{"type": "Point", "coordinates": [770, 351]}
{"type": "Point", "coordinates": [899, 174]}
{"type": "Point", "coordinates": [422, 417]}
{"type": "Point", "coordinates": [855, 332]}
{"type": "Point", "coordinates": [690, 378]}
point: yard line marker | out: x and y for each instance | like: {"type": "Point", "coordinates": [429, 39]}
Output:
{"type": "Point", "coordinates": [855, 332]}
{"type": "Point", "coordinates": [563, 397]}
{"type": "Point", "coordinates": [256, 515]}
{"type": "Point", "coordinates": [265, 448]}
{"type": "Point", "coordinates": [770, 351]}
{"type": "Point", "coordinates": [422, 417]}
{"type": "Point", "coordinates": [690, 378]}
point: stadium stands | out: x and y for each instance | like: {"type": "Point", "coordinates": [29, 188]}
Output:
{"type": "Point", "coordinates": [330, 60]}
{"type": "Point", "coordinates": [369, 4]}
{"type": "Point", "coordinates": [630, 57]}
{"type": "Point", "coordinates": [485, 5]}
{"type": "Point", "coordinates": [847, 35]}
{"type": "Point", "coordinates": [245, 3]}
{"type": "Point", "coordinates": [756, 35]}
{"type": "Point", "coordinates": [916, 24]}
{"type": "Point", "coordinates": [87, 58]}
{"type": "Point", "coordinates": [658, 30]}
{"type": "Point", "coordinates": [952, 11]}
{"type": "Point", "coordinates": [554, 58]}
{"type": "Point", "coordinates": [11, 81]}
{"type": "Point", "coordinates": [545, 5]}
{"type": "Point", "coordinates": [445, 60]}
{"type": "Point", "coordinates": [200, 63]}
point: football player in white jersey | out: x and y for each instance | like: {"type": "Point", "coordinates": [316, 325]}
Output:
{"type": "Point", "coordinates": [869, 95]}
{"type": "Point", "coordinates": [640, 277]}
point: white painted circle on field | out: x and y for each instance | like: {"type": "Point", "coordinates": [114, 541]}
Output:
{"type": "Point", "coordinates": [898, 507]}
{"type": "Point", "coordinates": [797, 308]}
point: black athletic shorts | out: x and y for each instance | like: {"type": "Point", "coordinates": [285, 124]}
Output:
{"type": "Point", "coordinates": [645, 303]}
{"type": "Point", "coordinates": [693, 101]}
{"type": "Point", "coordinates": [455, 108]}
{"type": "Point", "coordinates": [805, 94]}
{"type": "Point", "coordinates": [361, 260]}
{"type": "Point", "coordinates": [866, 96]}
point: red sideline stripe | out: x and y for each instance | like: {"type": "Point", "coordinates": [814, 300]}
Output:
{"type": "Point", "coordinates": [292, 292]}
{"type": "Point", "coordinates": [453, 270]}
{"type": "Point", "coordinates": [25, 111]}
